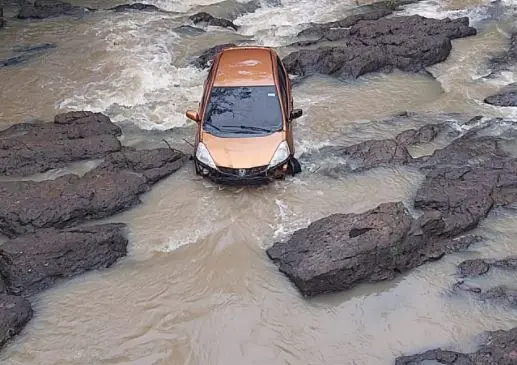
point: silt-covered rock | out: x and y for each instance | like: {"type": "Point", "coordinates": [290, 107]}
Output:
{"type": "Point", "coordinates": [34, 262]}
{"type": "Point", "coordinates": [15, 312]}
{"type": "Point", "coordinates": [30, 148]}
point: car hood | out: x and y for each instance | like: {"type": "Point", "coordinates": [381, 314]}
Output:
{"type": "Point", "coordinates": [242, 153]}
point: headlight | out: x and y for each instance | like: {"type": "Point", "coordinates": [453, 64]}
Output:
{"type": "Point", "coordinates": [203, 155]}
{"type": "Point", "coordinates": [281, 154]}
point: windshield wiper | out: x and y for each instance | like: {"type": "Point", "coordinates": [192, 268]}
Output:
{"type": "Point", "coordinates": [252, 128]}
{"type": "Point", "coordinates": [213, 126]}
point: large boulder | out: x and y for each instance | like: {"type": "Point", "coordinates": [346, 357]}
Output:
{"type": "Point", "coordinates": [375, 153]}
{"type": "Point", "coordinates": [30, 148]}
{"type": "Point", "coordinates": [464, 181]}
{"type": "Point", "coordinates": [208, 19]}
{"type": "Point", "coordinates": [331, 31]}
{"type": "Point", "coordinates": [476, 267]}
{"type": "Point", "coordinates": [135, 7]}
{"type": "Point", "coordinates": [338, 252]}
{"type": "Point", "coordinates": [408, 43]}
{"type": "Point", "coordinates": [364, 155]}
{"type": "Point", "coordinates": [506, 97]}
{"type": "Point", "coordinates": [500, 347]}
{"type": "Point", "coordinates": [15, 312]}
{"type": "Point", "coordinates": [111, 187]}
{"type": "Point", "coordinates": [34, 262]}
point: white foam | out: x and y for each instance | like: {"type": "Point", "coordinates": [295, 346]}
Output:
{"type": "Point", "coordinates": [141, 83]}
{"type": "Point", "coordinates": [274, 26]}
{"type": "Point", "coordinates": [435, 9]}
{"type": "Point", "coordinates": [286, 220]}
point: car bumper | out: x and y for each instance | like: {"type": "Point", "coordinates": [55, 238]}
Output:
{"type": "Point", "coordinates": [262, 178]}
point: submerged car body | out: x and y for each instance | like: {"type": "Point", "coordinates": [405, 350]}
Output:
{"type": "Point", "coordinates": [244, 133]}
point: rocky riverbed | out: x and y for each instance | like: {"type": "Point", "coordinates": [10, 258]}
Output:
{"type": "Point", "coordinates": [44, 219]}
{"type": "Point", "coordinates": [383, 195]}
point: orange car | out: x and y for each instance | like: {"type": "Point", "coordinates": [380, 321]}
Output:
{"type": "Point", "coordinates": [245, 116]}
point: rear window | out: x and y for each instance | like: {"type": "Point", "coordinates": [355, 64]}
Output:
{"type": "Point", "coordinates": [243, 111]}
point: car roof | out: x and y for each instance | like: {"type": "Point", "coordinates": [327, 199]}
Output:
{"type": "Point", "coordinates": [245, 66]}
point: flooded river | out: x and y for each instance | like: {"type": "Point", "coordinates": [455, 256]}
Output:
{"type": "Point", "coordinates": [197, 287]}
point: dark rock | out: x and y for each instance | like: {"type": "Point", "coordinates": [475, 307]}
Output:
{"type": "Point", "coordinates": [424, 134]}
{"type": "Point", "coordinates": [41, 9]}
{"type": "Point", "coordinates": [112, 187]}
{"type": "Point", "coordinates": [28, 53]}
{"type": "Point", "coordinates": [473, 267]}
{"type": "Point", "coordinates": [463, 195]}
{"type": "Point", "coordinates": [478, 267]}
{"type": "Point", "coordinates": [30, 148]}
{"type": "Point", "coordinates": [507, 97]}
{"type": "Point", "coordinates": [205, 18]}
{"type": "Point", "coordinates": [463, 182]}
{"type": "Point", "coordinates": [135, 6]}
{"type": "Point", "coordinates": [205, 59]}
{"type": "Point", "coordinates": [499, 348]}
{"type": "Point", "coordinates": [507, 59]}
{"type": "Point", "coordinates": [376, 153]}
{"type": "Point", "coordinates": [470, 149]}
{"type": "Point", "coordinates": [15, 312]}
{"type": "Point", "coordinates": [368, 154]}
{"type": "Point", "coordinates": [342, 250]}
{"type": "Point", "coordinates": [2, 20]}
{"type": "Point", "coordinates": [469, 287]}
{"type": "Point", "coordinates": [327, 30]}
{"type": "Point", "coordinates": [501, 294]}
{"type": "Point", "coordinates": [189, 30]}
{"type": "Point", "coordinates": [408, 43]}
{"type": "Point", "coordinates": [34, 47]}
{"type": "Point", "coordinates": [34, 262]}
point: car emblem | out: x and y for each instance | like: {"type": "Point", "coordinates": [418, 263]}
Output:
{"type": "Point", "coordinates": [242, 172]}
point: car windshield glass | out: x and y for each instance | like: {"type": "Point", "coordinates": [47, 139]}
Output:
{"type": "Point", "coordinates": [243, 110]}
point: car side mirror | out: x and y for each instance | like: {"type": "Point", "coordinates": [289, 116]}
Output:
{"type": "Point", "coordinates": [296, 113]}
{"type": "Point", "coordinates": [192, 115]}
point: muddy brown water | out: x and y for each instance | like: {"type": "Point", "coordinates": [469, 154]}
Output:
{"type": "Point", "coordinates": [197, 287]}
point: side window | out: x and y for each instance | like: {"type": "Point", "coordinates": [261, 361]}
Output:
{"type": "Point", "coordinates": [283, 85]}
{"type": "Point", "coordinates": [205, 89]}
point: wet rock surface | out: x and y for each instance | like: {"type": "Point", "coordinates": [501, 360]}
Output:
{"type": "Point", "coordinates": [377, 153]}
{"type": "Point", "coordinates": [424, 134]}
{"type": "Point", "coordinates": [42, 218]}
{"type": "Point", "coordinates": [113, 186]}
{"type": "Point", "coordinates": [15, 312]}
{"type": "Point", "coordinates": [331, 31]}
{"type": "Point", "coordinates": [375, 43]}
{"type": "Point", "coordinates": [368, 154]}
{"type": "Point", "coordinates": [507, 60]}
{"type": "Point", "coordinates": [506, 97]}
{"type": "Point", "coordinates": [204, 18]}
{"type": "Point", "coordinates": [204, 60]}
{"type": "Point", "coordinates": [477, 267]}
{"type": "Point", "coordinates": [34, 262]}
{"type": "Point", "coordinates": [41, 9]}
{"type": "Point", "coordinates": [26, 149]}
{"type": "Point", "coordinates": [337, 252]}
{"type": "Point", "coordinates": [464, 181]}
{"type": "Point", "coordinates": [499, 347]}
{"type": "Point", "coordinates": [135, 6]}
{"type": "Point", "coordinates": [26, 53]}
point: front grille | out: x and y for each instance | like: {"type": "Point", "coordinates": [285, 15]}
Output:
{"type": "Point", "coordinates": [243, 172]}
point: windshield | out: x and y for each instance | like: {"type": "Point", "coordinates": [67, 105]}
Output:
{"type": "Point", "coordinates": [243, 110]}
